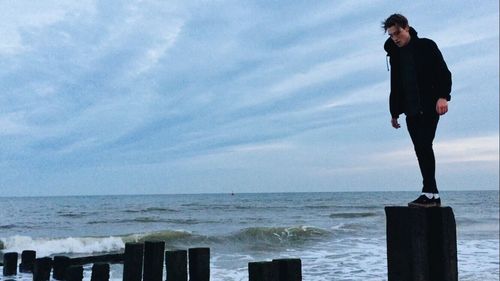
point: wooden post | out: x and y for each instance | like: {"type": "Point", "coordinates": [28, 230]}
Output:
{"type": "Point", "coordinates": [154, 253]}
{"type": "Point", "coordinates": [288, 269]}
{"type": "Point", "coordinates": [421, 244]}
{"type": "Point", "coordinates": [74, 273]}
{"type": "Point", "coordinates": [100, 272]}
{"type": "Point", "coordinates": [27, 261]}
{"type": "Point", "coordinates": [107, 258]}
{"type": "Point", "coordinates": [132, 262]}
{"type": "Point", "coordinates": [176, 264]}
{"type": "Point", "coordinates": [261, 271]}
{"type": "Point", "coordinates": [60, 264]}
{"type": "Point", "coordinates": [10, 264]}
{"type": "Point", "coordinates": [41, 269]}
{"type": "Point", "coordinates": [199, 264]}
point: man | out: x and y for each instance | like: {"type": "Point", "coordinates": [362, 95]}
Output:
{"type": "Point", "coordinates": [420, 88]}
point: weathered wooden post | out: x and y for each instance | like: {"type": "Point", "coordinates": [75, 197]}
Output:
{"type": "Point", "coordinates": [10, 264]}
{"type": "Point", "coordinates": [132, 262]}
{"type": "Point", "coordinates": [74, 273]}
{"type": "Point", "coordinates": [261, 271]}
{"type": "Point", "coordinates": [100, 272]}
{"type": "Point", "coordinates": [41, 269]}
{"type": "Point", "coordinates": [60, 264]}
{"type": "Point", "coordinates": [288, 269]}
{"type": "Point", "coordinates": [199, 264]}
{"type": "Point", "coordinates": [421, 244]}
{"type": "Point", "coordinates": [176, 264]}
{"type": "Point", "coordinates": [154, 253]}
{"type": "Point", "coordinates": [27, 261]}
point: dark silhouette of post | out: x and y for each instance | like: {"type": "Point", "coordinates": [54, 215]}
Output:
{"type": "Point", "coordinates": [288, 269]}
{"type": "Point", "coordinates": [60, 264]}
{"type": "Point", "coordinates": [199, 264]}
{"type": "Point", "coordinates": [154, 253]}
{"type": "Point", "coordinates": [100, 272]}
{"type": "Point", "coordinates": [107, 258]}
{"type": "Point", "coordinates": [421, 244]}
{"type": "Point", "coordinates": [74, 273]}
{"type": "Point", "coordinates": [27, 261]}
{"type": "Point", "coordinates": [42, 268]}
{"type": "Point", "coordinates": [176, 264]}
{"type": "Point", "coordinates": [261, 271]}
{"type": "Point", "coordinates": [132, 262]}
{"type": "Point", "coordinates": [10, 264]}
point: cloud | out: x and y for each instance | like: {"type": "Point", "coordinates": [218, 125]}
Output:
{"type": "Point", "coordinates": [264, 87]}
{"type": "Point", "coordinates": [462, 150]}
{"type": "Point", "coordinates": [22, 16]}
{"type": "Point", "coordinates": [327, 71]}
{"type": "Point", "coordinates": [375, 92]}
{"type": "Point", "coordinates": [12, 124]}
{"type": "Point", "coordinates": [472, 30]}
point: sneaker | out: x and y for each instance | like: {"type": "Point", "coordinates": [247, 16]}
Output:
{"type": "Point", "coordinates": [425, 202]}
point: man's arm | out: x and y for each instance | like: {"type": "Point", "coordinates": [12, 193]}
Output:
{"type": "Point", "coordinates": [443, 79]}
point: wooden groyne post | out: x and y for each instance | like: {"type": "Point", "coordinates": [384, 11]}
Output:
{"type": "Point", "coordinates": [145, 262]}
{"type": "Point", "coordinates": [100, 272]}
{"type": "Point", "coordinates": [176, 264]}
{"type": "Point", "coordinates": [154, 253]}
{"type": "Point", "coordinates": [261, 271]}
{"type": "Point", "coordinates": [199, 264]}
{"type": "Point", "coordinates": [276, 270]}
{"type": "Point", "coordinates": [288, 269]}
{"type": "Point", "coordinates": [60, 265]}
{"type": "Point", "coordinates": [42, 268]}
{"type": "Point", "coordinates": [10, 264]}
{"type": "Point", "coordinates": [27, 261]}
{"type": "Point", "coordinates": [132, 262]}
{"type": "Point", "coordinates": [421, 244]}
{"type": "Point", "coordinates": [74, 273]}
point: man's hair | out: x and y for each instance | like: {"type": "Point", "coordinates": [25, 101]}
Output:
{"type": "Point", "coordinates": [395, 19]}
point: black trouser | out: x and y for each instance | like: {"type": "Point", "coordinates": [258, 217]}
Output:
{"type": "Point", "coordinates": [422, 129]}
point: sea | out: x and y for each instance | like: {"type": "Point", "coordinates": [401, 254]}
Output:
{"type": "Point", "coordinates": [338, 235]}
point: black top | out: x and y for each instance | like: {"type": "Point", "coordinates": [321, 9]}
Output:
{"type": "Point", "coordinates": [408, 81]}
{"type": "Point", "coordinates": [433, 79]}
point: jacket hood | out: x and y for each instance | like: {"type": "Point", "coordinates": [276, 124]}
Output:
{"type": "Point", "coordinates": [390, 46]}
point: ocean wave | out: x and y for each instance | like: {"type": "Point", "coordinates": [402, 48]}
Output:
{"type": "Point", "coordinates": [141, 220]}
{"type": "Point", "coordinates": [253, 237]}
{"type": "Point", "coordinates": [166, 235]}
{"type": "Point", "coordinates": [72, 215]}
{"type": "Point", "coordinates": [151, 209]}
{"type": "Point", "coordinates": [131, 220]}
{"type": "Point", "coordinates": [146, 220]}
{"type": "Point", "coordinates": [7, 226]}
{"type": "Point", "coordinates": [349, 215]}
{"type": "Point", "coordinates": [273, 236]}
{"type": "Point", "coordinates": [67, 245]}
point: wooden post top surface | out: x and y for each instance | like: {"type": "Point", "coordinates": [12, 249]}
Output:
{"type": "Point", "coordinates": [403, 209]}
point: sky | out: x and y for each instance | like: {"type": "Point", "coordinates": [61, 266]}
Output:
{"type": "Point", "coordinates": [160, 97]}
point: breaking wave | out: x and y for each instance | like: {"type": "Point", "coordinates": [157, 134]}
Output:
{"type": "Point", "coordinates": [264, 237]}
{"type": "Point", "coordinates": [67, 245]}
{"type": "Point", "coordinates": [166, 235]}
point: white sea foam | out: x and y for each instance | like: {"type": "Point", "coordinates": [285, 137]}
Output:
{"type": "Point", "coordinates": [73, 245]}
{"type": "Point", "coordinates": [478, 259]}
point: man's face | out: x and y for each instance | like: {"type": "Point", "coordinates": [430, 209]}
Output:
{"type": "Point", "coordinates": [400, 36]}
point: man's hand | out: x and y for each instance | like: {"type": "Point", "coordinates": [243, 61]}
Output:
{"type": "Point", "coordinates": [442, 106]}
{"type": "Point", "coordinates": [395, 124]}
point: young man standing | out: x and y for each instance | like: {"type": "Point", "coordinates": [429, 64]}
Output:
{"type": "Point", "coordinates": [420, 88]}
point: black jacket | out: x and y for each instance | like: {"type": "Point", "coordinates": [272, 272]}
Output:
{"type": "Point", "coordinates": [433, 76]}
